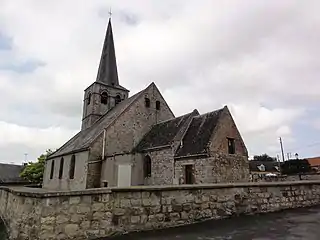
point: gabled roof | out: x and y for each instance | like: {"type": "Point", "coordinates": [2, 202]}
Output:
{"type": "Point", "coordinates": [83, 139]}
{"type": "Point", "coordinates": [269, 166]}
{"type": "Point", "coordinates": [314, 162]}
{"type": "Point", "coordinates": [197, 137]}
{"type": "Point", "coordinates": [163, 133]}
{"type": "Point", "coordinates": [9, 173]}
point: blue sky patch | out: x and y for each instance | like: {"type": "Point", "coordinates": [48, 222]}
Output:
{"type": "Point", "coordinates": [23, 67]}
{"type": "Point", "coordinates": [5, 42]}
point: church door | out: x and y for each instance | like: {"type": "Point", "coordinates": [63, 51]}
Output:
{"type": "Point", "coordinates": [124, 175]}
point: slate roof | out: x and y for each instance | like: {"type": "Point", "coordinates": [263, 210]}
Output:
{"type": "Point", "coordinates": [107, 71]}
{"type": "Point", "coordinates": [83, 139]}
{"type": "Point", "coordinates": [9, 173]}
{"type": "Point", "coordinates": [270, 166]}
{"type": "Point", "coordinates": [198, 135]}
{"type": "Point", "coordinates": [162, 134]}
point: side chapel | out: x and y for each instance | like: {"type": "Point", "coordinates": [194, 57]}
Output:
{"type": "Point", "coordinates": [129, 141]}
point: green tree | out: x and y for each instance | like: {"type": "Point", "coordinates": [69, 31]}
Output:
{"type": "Point", "coordinates": [33, 171]}
{"type": "Point", "coordinates": [264, 157]}
{"type": "Point", "coordinates": [296, 166]}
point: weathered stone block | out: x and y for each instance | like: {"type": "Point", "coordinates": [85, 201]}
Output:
{"type": "Point", "coordinates": [143, 219]}
{"type": "Point", "coordinates": [62, 219]}
{"type": "Point", "coordinates": [85, 225]}
{"type": "Point", "coordinates": [48, 220]}
{"type": "Point", "coordinates": [83, 209]}
{"type": "Point", "coordinates": [76, 218]}
{"type": "Point", "coordinates": [98, 207]}
{"type": "Point", "coordinates": [174, 216]}
{"type": "Point", "coordinates": [87, 199]}
{"type": "Point", "coordinates": [135, 202]}
{"type": "Point", "coordinates": [74, 200]}
{"type": "Point", "coordinates": [125, 203]}
{"type": "Point", "coordinates": [119, 211]}
{"type": "Point", "coordinates": [135, 219]}
{"type": "Point", "coordinates": [98, 215]}
{"type": "Point", "coordinates": [71, 230]}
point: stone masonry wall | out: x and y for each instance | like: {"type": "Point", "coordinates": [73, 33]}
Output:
{"type": "Point", "coordinates": [36, 214]}
{"type": "Point", "coordinates": [127, 131]}
{"type": "Point", "coordinates": [161, 167]}
{"type": "Point", "coordinates": [218, 168]}
{"type": "Point", "coordinates": [65, 183]}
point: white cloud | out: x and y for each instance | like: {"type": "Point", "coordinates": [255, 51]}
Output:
{"type": "Point", "coordinates": [259, 57]}
{"type": "Point", "coordinates": [40, 138]}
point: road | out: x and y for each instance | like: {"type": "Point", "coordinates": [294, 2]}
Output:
{"type": "Point", "coordinates": [295, 224]}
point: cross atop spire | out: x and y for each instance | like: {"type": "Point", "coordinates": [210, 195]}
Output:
{"type": "Point", "coordinates": [110, 13]}
{"type": "Point", "coordinates": [107, 72]}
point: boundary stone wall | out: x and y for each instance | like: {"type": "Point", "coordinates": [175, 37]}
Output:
{"type": "Point", "coordinates": [95, 213]}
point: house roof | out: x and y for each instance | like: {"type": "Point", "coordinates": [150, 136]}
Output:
{"type": "Point", "coordinates": [270, 166]}
{"type": "Point", "coordinates": [9, 173]}
{"type": "Point", "coordinates": [163, 133]}
{"type": "Point", "coordinates": [198, 134]}
{"type": "Point", "coordinates": [83, 139]}
{"type": "Point", "coordinates": [314, 162]}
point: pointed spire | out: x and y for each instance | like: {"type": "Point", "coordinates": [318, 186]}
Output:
{"type": "Point", "coordinates": [107, 72]}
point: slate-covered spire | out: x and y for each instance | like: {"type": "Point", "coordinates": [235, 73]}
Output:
{"type": "Point", "coordinates": [107, 72]}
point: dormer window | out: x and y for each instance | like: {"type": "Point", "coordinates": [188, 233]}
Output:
{"type": "Point", "coordinates": [147, 102]}
{"type": "Point", "coordinates": [104, 98]}
{"type": "Point", "coordinates": [262, 168]}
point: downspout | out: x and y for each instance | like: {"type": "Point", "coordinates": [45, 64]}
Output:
{"type": "Point", "coordinates": [103, 144]}
{"type": "Point", "coordinates": [174, 181]}
{"type": "Point", "coordinates": [99, 180]}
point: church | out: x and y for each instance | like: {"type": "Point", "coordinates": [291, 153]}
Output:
{"type": "Point", "coordinates": [130, 141]}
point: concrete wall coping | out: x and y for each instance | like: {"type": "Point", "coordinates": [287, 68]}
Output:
{"type": "Point", "coordinates": [44, 193]}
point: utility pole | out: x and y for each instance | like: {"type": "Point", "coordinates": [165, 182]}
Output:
{"type": "Point", "coordinates": [26, 157]}
{"type": "Point", "coordinates": [288, 155]}
{"type": "Point", "coordinates": [281, 149]}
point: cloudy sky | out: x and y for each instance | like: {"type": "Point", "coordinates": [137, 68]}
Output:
{"type": "Point", "coordinates": [261, 58]}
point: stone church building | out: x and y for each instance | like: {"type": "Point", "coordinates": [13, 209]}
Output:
{"type": "Point", "coordinates": [126, 141]}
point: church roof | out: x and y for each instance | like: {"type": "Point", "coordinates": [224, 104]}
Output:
{"type": "Point", "coordinates": [83, 139]}
{"type": "Point", "coordinates": [9, 173]}
{"type": "Point", "coordinates": [107, 71]}
{"type": "Point", "coordinates": [163, 133]}
{"type": "Point", "coordinates": [197, 137]}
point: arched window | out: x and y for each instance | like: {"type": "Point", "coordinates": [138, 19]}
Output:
{"type": "Point", "coordinates": [52, 169]}
{"type": "Point", "coordinates": [147, 102]}
{"type": "Point", "coordinates": [72, 167]}
{"type": "Point", "coordinates": [158, 105]}
{"type": "Point", "coordinates": [89, 99]}
{"type": "Point", "coordinates": [147, 166]}
{"type": "Point", "coordinates": [117, 99]}
{"type": "Point", "coordinates": [104, 98]}
{"type": "Point", "coordinates": [61, 167]}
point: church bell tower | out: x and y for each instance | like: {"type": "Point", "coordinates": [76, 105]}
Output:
{"type": "Point", "coordinates": [105, 93]}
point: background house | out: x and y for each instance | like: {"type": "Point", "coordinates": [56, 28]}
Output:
{"type": "Point", "coordinates": [264, 167]}
{"type": "Point", "coordinates": [9, 174]}
{"type": "Point", "coordinates": [314, 163]}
